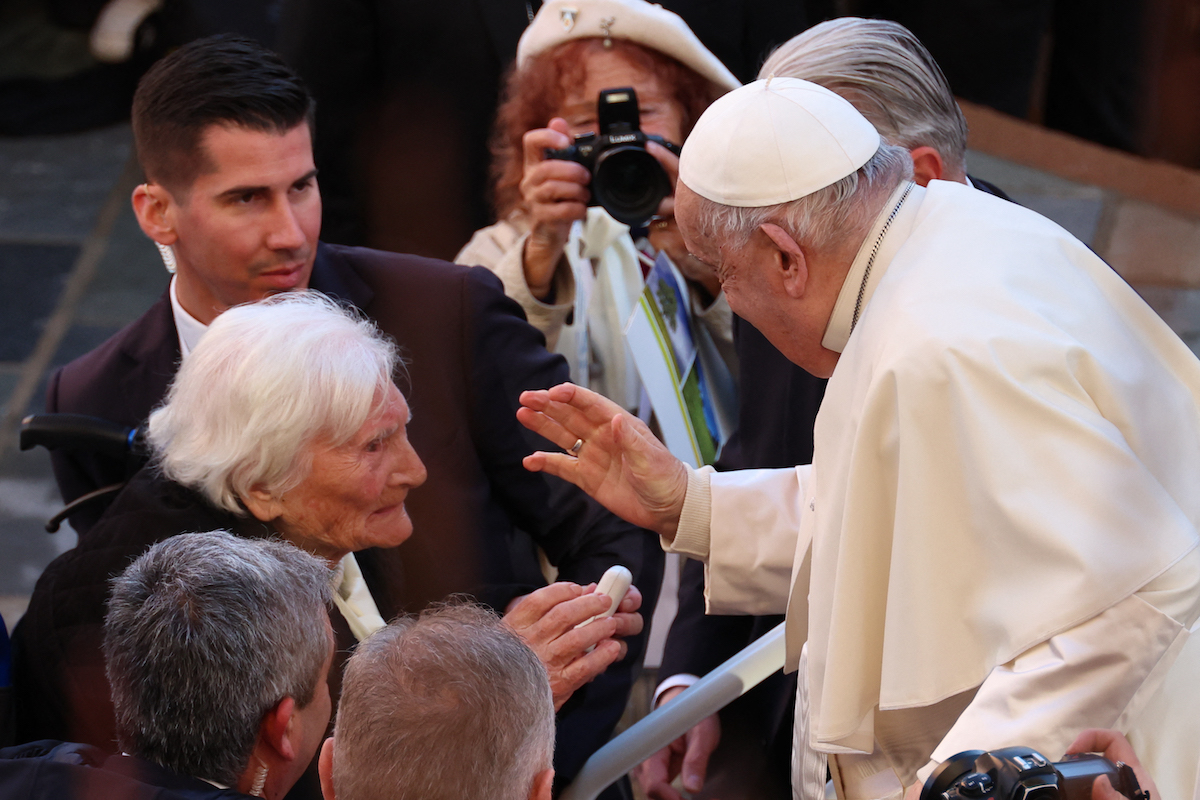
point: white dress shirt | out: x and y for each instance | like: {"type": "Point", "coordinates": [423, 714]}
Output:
{"type": "Point", "coordinates": [188, 327]}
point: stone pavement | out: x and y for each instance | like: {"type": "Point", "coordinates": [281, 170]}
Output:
{"type": "Point", "coordinates": [74, 268]}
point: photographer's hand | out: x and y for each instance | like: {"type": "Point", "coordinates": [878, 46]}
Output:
{"type": "Point", "coordinates": [555, 194]}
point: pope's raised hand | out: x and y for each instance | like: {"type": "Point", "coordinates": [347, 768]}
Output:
{"type": "Point", "coordinates": [618, 461]}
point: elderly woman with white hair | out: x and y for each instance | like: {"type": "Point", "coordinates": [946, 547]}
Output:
{"type": "Point", "coordinates": [283, 422]}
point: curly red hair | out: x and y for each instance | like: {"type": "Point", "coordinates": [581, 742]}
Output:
{"type": "Point", "coordinates": [535, 93]}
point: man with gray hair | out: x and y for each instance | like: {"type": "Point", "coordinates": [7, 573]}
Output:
{"type": "Point", "coordinates": [996, 542]}
{"type": "Point", "coordinates": [451, 704]}
{"type": "Point", "coordinates": [888, 75]}
{"type": "Point", "coordinates": [217, 650]}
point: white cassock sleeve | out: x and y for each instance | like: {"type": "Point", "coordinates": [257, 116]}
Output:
{"type": "Point", "coordinates": [746, 527]}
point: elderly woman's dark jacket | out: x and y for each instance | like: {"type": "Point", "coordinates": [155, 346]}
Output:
{"type": "Point", "coordinates": [58, 660]}
{"type": "Point", "coordinates": [49, 770]}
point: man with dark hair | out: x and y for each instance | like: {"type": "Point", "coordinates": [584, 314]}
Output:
{"type": "Point", "coordinates": [489, 736]}
{"type": "Point", "coordinates": [240, 89]}
{"type": "Point", "coordinates": [222, 129]}
{"type": "Point", "coordinates": [218, 651]}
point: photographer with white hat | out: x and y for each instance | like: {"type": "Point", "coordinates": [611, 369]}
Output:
{"type": "Point", "coordinates": [571, 52]}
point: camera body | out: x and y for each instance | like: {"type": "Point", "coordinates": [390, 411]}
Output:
{"type": "Point", "coordinates": [1022, 773]}
{"type": "Point", "coordinates": [627, 181]}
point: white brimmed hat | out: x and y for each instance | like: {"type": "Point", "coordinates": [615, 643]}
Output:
{"type": "Point", "coordinates": [773, 141]}
{"type": "Point", "coordinates": [637, 21]}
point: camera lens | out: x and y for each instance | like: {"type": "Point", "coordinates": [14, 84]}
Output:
{"type": "Point", "coordinates": [629, 183]}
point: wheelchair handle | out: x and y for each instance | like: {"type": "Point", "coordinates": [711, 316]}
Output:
{"type": "Point", "coordinates": [78, 432]}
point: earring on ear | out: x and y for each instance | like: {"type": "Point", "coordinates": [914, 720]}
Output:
{"type": "Point", "coordinates": [164, 250]}
{"type": "Point", "coordinates": [168, 257]}
{"type": "Point", "coordinates": [260, 779]}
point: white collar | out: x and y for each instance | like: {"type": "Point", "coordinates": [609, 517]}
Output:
{"type": "Point", "coordinates": [188, 327]}
{"type": "Point", "coordinates": [897, 218]}
{"type": "Point", "coordinates": [353, 598]}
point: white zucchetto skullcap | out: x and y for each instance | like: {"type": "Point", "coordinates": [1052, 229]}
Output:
{"type": "Point", "coordinates": [774, 141]}
{"type": "Point", "coordinates": [649, 25]}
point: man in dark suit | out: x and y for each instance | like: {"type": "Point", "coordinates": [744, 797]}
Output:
{"type": "Point", "coordinates": [889, 76]}
{"type": "Point", "coordinates": [223, 135]}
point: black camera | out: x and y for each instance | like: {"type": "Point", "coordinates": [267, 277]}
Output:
{"type": "Point", "coordinates": [1022, 773]}
{"type": "Point", "coordinates": [627, 181]}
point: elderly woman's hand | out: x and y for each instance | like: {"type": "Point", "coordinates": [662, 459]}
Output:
{"type": "Point", "coordinates": [546, 620]}
{"type": "Point", "coordinates": [555, 194]}
{"type": "Point", "coordinates": [664, 233]}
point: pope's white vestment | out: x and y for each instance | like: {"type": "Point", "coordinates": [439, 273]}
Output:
{"type": "Point", "coordinates": [996, 543]}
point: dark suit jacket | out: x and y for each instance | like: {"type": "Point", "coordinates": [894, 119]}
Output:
{"type": "Point", "coordinates": [778, 405]}
{"type": "Point", "coordinates": [59, 664]}
{"type": "Point", "coordinates": [480, 515]}
{"type": "Point", "coordinates": [67, 771]}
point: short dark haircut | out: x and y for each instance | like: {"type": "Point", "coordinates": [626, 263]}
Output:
{"type": "Point", "coordinates": [205, 633]}
{"type": "Point", "coordinates": [218, 80]}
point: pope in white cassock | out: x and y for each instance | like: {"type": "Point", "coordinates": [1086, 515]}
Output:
{"type": "Point", "coordinates": [996, 543]}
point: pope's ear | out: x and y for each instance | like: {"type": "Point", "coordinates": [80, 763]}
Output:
{"type": "Point", "coordinates": [789, 259]}
{"type": "Point", "coordinates": [927, 165]}
{"type": "Point", "coordinates": [154, 208]}
{"type": "Point", "coordinates": [262, 505]}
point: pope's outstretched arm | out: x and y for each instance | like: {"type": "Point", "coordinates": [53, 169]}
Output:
{"type": "Point", "coordinates": [617, 459]}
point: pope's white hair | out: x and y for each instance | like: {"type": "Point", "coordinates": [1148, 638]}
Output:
{"type": "Point", "coordinates": [265, 381]}
{"type": "Point", "coordinates": [822, 219]}
{"type": "Point", "coordinates": [887, 74]}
